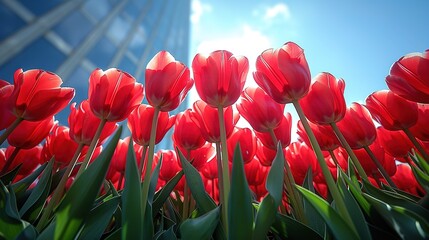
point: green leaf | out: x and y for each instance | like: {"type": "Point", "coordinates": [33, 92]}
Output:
{"type": "Point", "coordinates": [9, 176]}
{"type": "Point", "coordinates": [287, 227]}
{"type": "Point", "coordinates": [396, 199]}
{"type": "Point", "coordinates": [314, 221]}
{"type": "Point", "coordinates": [10, 222]}
{"type": "Point", "coordinates": [419, 161]}
{"type": "Point", "coordinates": [99, 218]}
{"type": "Point", "coordinates": [265, 217]}
{"type": "Point", "coordinates": [357, 193]}
{"type": "Point", "coordinates": [131, 199]}
{"type": "Point", "coordinates": [29, 232]}
{"type": "Point", "coordinates": [22, 185]}
{"type": "Point", "coordinates": [201, 227]}
{"type": "Point", "coordinates": [274, 183]}
{"type": "Point", "coordinates": [353, 208]}
{"type": "Point", "coordinates": [166, 234]}
{"type": "Point", "coordinates": [407, 224]}
{"type": "Point", "coordinates": [79, 199]}
{"type": "Point", "coordinates": [334, 221]}
{"type": "Point", "coordinates": [240, 208]}
{"type": "Point", "coordinates": [35, 202]}
{"type": "Point", "coordinates": [162, 195]}
{"type": "Point", "coordinates": [195, 183]}
{"type": "Point", "coordinates": [421, 177]}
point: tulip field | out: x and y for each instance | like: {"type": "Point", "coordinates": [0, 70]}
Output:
{"type": "Point", "coordinates": [358, 171]}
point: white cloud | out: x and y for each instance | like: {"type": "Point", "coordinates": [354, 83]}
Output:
{"type": "Point", "coordinates": [280, 9]}
{"type": "Point", "coordinates": [198, 9]}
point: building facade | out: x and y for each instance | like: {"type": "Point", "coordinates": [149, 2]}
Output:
{"type": "Point", "coordinates": [72, 38]}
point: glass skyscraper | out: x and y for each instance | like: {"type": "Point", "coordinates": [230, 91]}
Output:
{"type": "Point", "coordinates": [72, 38]}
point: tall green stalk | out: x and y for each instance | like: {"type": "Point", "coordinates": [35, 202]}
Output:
{"type": "Point", "coordinates": [151, 152]}
{"type": "Point", "coordinates": [336, 195]}
{"type": "Point", "coordinates": [380, 167]}
{"type": "Point", "coordinates": [416, 144]}
{"type": "Point", "coordinates": [225, 168]}
{"type": "Point", "coordinates": [92, 147]}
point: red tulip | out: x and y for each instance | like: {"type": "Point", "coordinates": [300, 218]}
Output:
{"type": "Point", "coordinates": [409, 77]}
{"type": "Point", "coordinates": [209, 170]}
{"type": "Point", "coordinates": [186, 133]}
{"type": "Point", "coordinates": [140, 124]}
{"type": "Point", "coordinates": [357, 126]}
{"type": "Point", "coordinates": [200, 156]}
{"type": "Point", "coordinates": [341, 157]}
{"type": "Point", "coordinates": [113, 94]}
{"type": "Point", "coordinates": [325, 103]}
{"type": "Point", "coordinates": [281, 132]}
{"type": "Point", "coordinates": [219, 77]}
{"type": "Point", "coordinates": [324, 134]}
{"type": "Point", "coordinates": [420, 130]}
{"type": "Point", "coordinates": [28, 158]}
{"type": "Point", "coordinates": [170, 166]}
{"type": "Point", "coordinates": [167, 82]}
{"type": "Point", "coordinates": [392, 111]}
{"type": "Point", "coordinates": [367, 163]}
{"type": "Point", "coordinates": [255, 172]}
{"type": "Point", "coordinates": [283, 73]}
{"type": "Point", "coordinates": [247, 140]}
{"type": "Point", "coordinates": [37, 94]}
{"type": "Point", "coordinates": [59, 145]}
{"type": "Point", "coordinates": [6, 115]}
{"type": "Point", "coordinates": [265, 155]}
{"type": "Point", "coordinates": [259, 109]}
{"type": "Point", "coordinates": [83, 124]}
{"type": "Point", "coordinates": [395, 143]}
{"type": "Point", "coordinates": [405, 180]}
{"type": "Point", "coordinates": [301, 158]}
{"type": "Point", "coordinates": [29, 134]}
{"type": "Point", "coordinates": [206, 118]}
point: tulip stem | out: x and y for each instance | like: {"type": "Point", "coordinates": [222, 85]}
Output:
{"type": "Point", "coordinates": [380, 167]}
{"type": "Point", "coordinates": [10, 129]}
{"type": "Point", "coordinates": [289, 182]}
{"type": "Point", "coordinates": [349, 150]}
{"type": "Point", "coordinates": [225, 168]}
{"type": "Point", "coordinates": [416, 144]}
{"type": "Point", "coordinates": [59, 190]}
{"type": "Point", "coordinates": [142, 161]}
{"type": "Point", "coordinates": [92, 147]}
{"type": "Point", "coordinates": [219, 172]}
{"type": "Point", "coordinates": [9, 161]}
{"type": "Point", "coordinates": [336, 195]}
{"type": "Point", "coordinates": [148, 169]}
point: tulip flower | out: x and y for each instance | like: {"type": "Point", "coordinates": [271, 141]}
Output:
{"type": "Point", "coordinates": [200, 156]}
{"type": "Point", "coordinates": [282, 134]}
{"type": "Point", "coordinates": [29, 159]}
{"type": "Point", "coordinates": [29, 134]}
{"type": "Point", "coordinates": [206, 118]}
{"type": "Point", "coordinates": [324, 134]}
{"type": "Point", "coordinates": [6, 115]}
{"type": "Point", "coordinates": [37, 94]}
{"type": "Point", "coordinates": [283, 73]}
{"type": "Point", "coordinates": [395, 143]}
{"type": "Point", "coordinates": [82, 124]}
{"type": "Point", "coordinates": [409, 76]}
{"type": "Point", "coordinates": [170, 166]}
{"type": "Point", "coordinates": [420, 130]}
{"type": "Point", "coordinates": [300, 158]}
{"type": "Point", "coordinates": [255, 172]}
{"type": "Point", "coordinates": [140, 124]}
{"type": "Point", "coordinates": [405, 180]}
{"type": "Point", "coordinates": [259, 109]}
{"type": "Point", "coordinates": [167, 82]}
{"type": "Point", "coordinates": [209, 169]}
{"type": "Point", "coordinates": [392, 111]}
{"type": "Point", "coordinates": [113, 94]}
{"type": "Point", "coordinates": [246, 138]}
{"type": "Point", "coordinates": [265, 154]}
{"type": "Point", "coordinates": [186, 133]}
{"type": "Point", "coordinates": [325, 103]}
{"type": "Point", "coordinates": [219, 77]}
{"type": "Point", "coordinates": [357, 126]}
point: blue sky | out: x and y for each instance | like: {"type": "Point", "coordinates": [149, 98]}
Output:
{"type": "Point", "coordinates": [354, 40]}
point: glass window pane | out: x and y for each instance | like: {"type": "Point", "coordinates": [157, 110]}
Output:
{"type": "Point", "coordinates": [10, 22]}
{"type": "Point", "coordinates": [67, 28]}
{"type": "Point", "coordinates": [118, 29]}
{"type": "Point", "coordinates": [127, 65]}
{"type": "Point", "coordinates": [102, 53]}
{"type": "Point", "coordinates": [39, 8]}
{"type": "Point", "coordinates": [97, 8]}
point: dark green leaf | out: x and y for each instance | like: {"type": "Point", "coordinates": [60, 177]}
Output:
{"type": "Point", "coordinates": [35, 202]}
{"type": "Point", "coordinates": [334, 221]}
{"type": "Point", "coordinates": [9, 176]}
{"type": "Point", "coordinates": [131, 199]}
{"type": "Point", "coordinates": [195, 183]}
{"type": "Point", "coordinates": [353, 208]}
{"type": "Point", "coordinates": [240, 208]}
{"type": "Point", "coordinates": [421, 177]}
{"type": "Point", "coordinates": [265, 217]}
{"type": "Point", "coordinates": [289, 228]}
{"type": "Point", "coordinates": [274, 183]}
{"type": "Point", "coordinates": [166, 234]}
{"type": "Point", "coordinates": [79, 199]}
{"type": "Point", "coordinates": [407, 224]}
{"type": "Point", "coordinates": [314, 221]}
{"type": "Point", "coordinates": [201, 227]}
{"type": "Point", "coordinates": [23, 184]}
{"type": "Point", "coordinates": [98, 219]}
{"type": "Point", "coordinates": [162, 195]}
{"type": "Point", "coordinates": [29, 232]}
{"type": "Point", "coordinates": [10, 222]}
